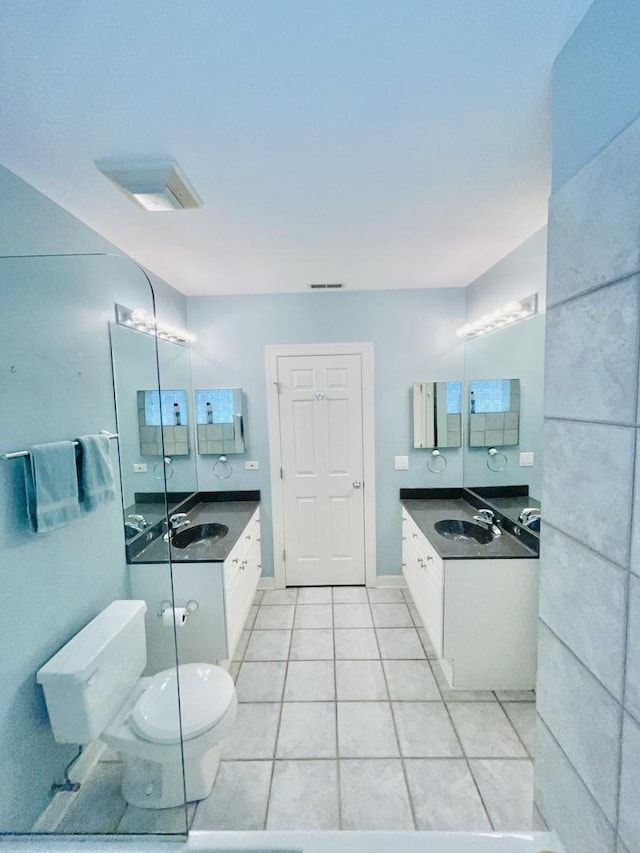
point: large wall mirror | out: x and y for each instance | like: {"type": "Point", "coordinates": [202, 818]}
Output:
{"type": "Point", "coordinates": [513, 352]}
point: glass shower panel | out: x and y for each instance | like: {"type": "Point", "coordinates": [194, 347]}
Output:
{"type": "Point", "coordinates": [64, 768]}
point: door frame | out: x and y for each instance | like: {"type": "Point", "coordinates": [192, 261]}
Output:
{"type": "Point", "coordinates": [365, 351]}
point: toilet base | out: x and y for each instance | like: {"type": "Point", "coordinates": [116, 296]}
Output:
{"type": "Point", "coordinates": [151, 785]}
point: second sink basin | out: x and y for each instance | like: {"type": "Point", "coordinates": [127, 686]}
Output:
{"type": "Point", "coordinates": [199, 535]}
{"type": "Point", "coordinates": [463, 531]}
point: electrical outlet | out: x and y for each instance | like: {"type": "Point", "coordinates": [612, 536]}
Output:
{"type": "Point", "coordinates": [251, 466]}
{"type": "Point", "coordinates": [139, 467]}
{"type": "Point", "coordinates": [402, 463]}
{"type": "Point", "coordinates": [526, 459]}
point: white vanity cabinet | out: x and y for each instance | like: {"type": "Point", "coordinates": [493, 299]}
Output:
{"type": "Point", "coordinates": [480, 614]}
{"type": "Point", "coordinates": [224, 593]}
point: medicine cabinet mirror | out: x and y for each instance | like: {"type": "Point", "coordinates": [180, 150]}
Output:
{"type": "Point", "coordinates": [494, 412]}
{"type": "Point", "coordinates": [219, 420]}
{"type": "Point", "coordinates": [437, 414]}
{"type": "Point", "coordinates": [162, 420]}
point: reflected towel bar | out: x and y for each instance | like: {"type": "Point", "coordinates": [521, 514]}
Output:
{"type": "Point", "coordinates": [16, 454]}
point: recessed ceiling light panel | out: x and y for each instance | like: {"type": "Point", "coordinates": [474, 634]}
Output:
{"type": "Point", "coordinates": [153, 186]}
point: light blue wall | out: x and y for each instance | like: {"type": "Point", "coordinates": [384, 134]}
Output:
{"type": "Point", "coordinates": [413, 332]}
{"type": "Point", "coordinates": [595, 92]}
{"type": "Point", "coordinates": [54, 317]}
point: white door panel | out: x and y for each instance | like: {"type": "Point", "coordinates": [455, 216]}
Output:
{"type": "Point", "coordinates": [320, 412]}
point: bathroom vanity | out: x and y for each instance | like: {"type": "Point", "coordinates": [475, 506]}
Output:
{"type": "Point", "coordinates": [478, 600]}
{"type": "Point", "coordinates": [215, 577]}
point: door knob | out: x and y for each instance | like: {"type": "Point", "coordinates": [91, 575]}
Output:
{"type": "Point", "coordinates": [357, 484]}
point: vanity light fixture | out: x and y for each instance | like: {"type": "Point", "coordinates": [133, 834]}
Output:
{"type": "Point", "coordinates": [155, 186]}
{"type": "Point", "coordinates": [140, 321]}
{"type": "Point", "coordinates": [511, 313]}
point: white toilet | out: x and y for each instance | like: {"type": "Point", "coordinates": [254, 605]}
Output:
{"type": "Point", "coordinates": [93, 689]}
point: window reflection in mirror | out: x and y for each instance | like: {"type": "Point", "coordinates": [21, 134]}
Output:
{"type": "Point", "coordinates": [219, 420]}
{"type": "Point", "coordinates": [162, 421]}
{"type": "Point", "coordinates": [494, 412]}
{"type": "Point", "coordinates": [437, 414]}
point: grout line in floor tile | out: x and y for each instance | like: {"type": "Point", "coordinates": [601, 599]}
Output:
{"type": "Point", "coordinates": [512, 724]}
{"type": "Point", "coordinates": [395, 729]}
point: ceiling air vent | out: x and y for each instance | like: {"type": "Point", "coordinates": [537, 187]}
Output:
{"type": "Point", "coordinates": [334, 285]}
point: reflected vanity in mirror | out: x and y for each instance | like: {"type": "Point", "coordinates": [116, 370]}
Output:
{"type": "Point", "coordinates": [219, 420]}
{"type": "Point", "coordinates": [162, 423]}
{"type": "Point", "coordinates": [494, 412]}
{"type": "Point", "coordinates": [437, 414]}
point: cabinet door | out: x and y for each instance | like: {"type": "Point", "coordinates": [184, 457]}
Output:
{"type": "Point", "coordinates": [241, 574]}
{"type": "Point", "coordinates": [424, 572]}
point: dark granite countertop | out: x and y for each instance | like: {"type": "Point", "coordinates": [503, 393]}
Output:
{"type": "Point", "coordinates": [427, 511]}
{"type": "Point", "coordinates": [234, 514]}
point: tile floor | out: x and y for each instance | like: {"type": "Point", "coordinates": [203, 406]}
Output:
{"type": "Point", "coordinates": [345, 722]}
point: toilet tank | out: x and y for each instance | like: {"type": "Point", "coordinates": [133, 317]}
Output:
{"type": "Point", "coordinates": [87, 681]}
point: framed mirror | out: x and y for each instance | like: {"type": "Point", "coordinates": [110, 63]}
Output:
{"type": "Point", "coordinates": [219, 420]}
{"type": "Point", "coordinates": [494, 412]}
{"type": "Point", "coordinates": [437, 414]}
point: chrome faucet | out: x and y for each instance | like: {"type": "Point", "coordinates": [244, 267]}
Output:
{"type": "Point", "coordinates": [137, 521]}
{"type": "Point", "coordinates": [176, 521]}
{"type": "Point", "coordinates": [529, 515]}
{"type": "Point", "coordinates": [487, 516]}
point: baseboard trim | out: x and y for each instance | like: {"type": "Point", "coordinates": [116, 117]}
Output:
{"type": "Point", "coordinates": [266, 583]}
{"type": "Point", "coordinates": [396, 581]}
{"type": "Point", "coordinates": [51, 817]}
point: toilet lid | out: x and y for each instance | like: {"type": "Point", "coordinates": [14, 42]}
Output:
{"type": "Point", "coordinates": [206, 692]}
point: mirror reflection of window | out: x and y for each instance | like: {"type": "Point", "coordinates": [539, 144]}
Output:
{"type": "Point", "coordinates": [494, 412]}
{"type": "Point", "coordinates": [437, 414]}
{"type": "Point", "coordinates": [219, 420]}
{"type": "Point", "coordinates": [163, 419]}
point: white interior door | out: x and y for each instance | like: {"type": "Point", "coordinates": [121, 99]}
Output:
{"type": "Point", "coordinates": [321, 447]}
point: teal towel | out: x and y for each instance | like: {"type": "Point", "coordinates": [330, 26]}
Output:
{"type": "Point", "coordinates": [52, 486]}
{"type": "Point", "coordinates": [97, 485]}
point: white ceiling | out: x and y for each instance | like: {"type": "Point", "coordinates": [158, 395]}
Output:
{"type": "Point", "coordinates": [382, 143]}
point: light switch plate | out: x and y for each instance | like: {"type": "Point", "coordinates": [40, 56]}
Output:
{"type": "Point", "coordinates": [526, 459]}
{"type": "Point", "coordinates": [251, 465]}
{"type": "Point", "coordinates": [402, 463]}
{"type": "Point", "coordinates": [139, 467]}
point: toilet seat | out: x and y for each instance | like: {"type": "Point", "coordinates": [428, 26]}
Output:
{"type": "Point", "coordinates": [206, 693]}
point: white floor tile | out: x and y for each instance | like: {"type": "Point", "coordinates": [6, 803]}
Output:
{"type": "Point", "coordinates": [386, 595]}
{"type": "Point", "coordinates": [399, 643]}
{"type": "Point", "coordinates": [507, 790]}
{"type": "Point", "coordinates": [239, 797]}
{"type": "Point", "coordinates": [374, 795]}
{"type": "Point", "coordinates": [254, 732]}
{"type": "Point", "coordinates": [485, 731]}
{"type": "Point", "coordinates": [425, 731]}
{"type": "Point", "coordinates": [307, 730]}
{"type": "Point", "coordinates": [99, 806]}
{"type": "Point", "coordinates": [314, 616]}
{"type": "Point", "coordinates": [174, 821]}
{"type": "Point", "coordinates": [411, 680]}
{"type": "Point", "coordinates": [523, 718]}
{"type": "Point", "coordinates": [241, 645]}
{"type": "Point", "coordinates": [310, 681]}
{"type": "Point", "coordinates": [444, 795]}
{"type": "Point", "coordinates": [261, 681]}
{"type": "Point", "coordinates": [314, 595]}
{"type": "Point", "coordinates": [268, 645]}
{"type": "Point", "coordinates": [280, 596]}
{"type": "Point", "coordinates": [360, 680]}
{"type": "Point", "coordinates": [304, 795]}
{"type": "Point", "coordinates": [350, 595]}
{"type": "Point", "coordinates": [312, 644]}
{"type": "Point", "coordinates": [394, 615]}
{"type": "Point", "coordinates": [274, 616]}
{"type": "Point", "coordinates": [356, 644]}
{"type": "Point", "coordinates": [352, 616]}
{"type": "Point", "coordinates": [366, 730]}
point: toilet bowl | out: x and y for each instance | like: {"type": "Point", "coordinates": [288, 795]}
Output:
{"type": "Point", "coordinates": [159, 725]}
